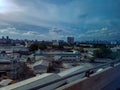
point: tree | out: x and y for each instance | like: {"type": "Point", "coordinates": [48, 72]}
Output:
{"type": "Point", "coordinates": [92, 59]}
{"type": "Point", "coordinates": [42, 46]}
{"type": "Point", "coordinates": [102, 52]}
{"type": "Point", "coordinates": [33, 47]}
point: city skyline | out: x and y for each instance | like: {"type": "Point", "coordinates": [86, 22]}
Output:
{"type": "Point", "coordinates": [58, 19]}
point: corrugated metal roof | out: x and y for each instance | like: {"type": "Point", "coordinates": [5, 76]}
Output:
{"type": "Point", "coordinates": [41, 62]}
{"type": "Point", "coordinates": [75, 70]}
{"type": "Point", "coordinates": [36, 81]}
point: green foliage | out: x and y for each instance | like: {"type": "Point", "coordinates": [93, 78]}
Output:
{"type": "Point", "coordinates": [42, 46]}
{"type": "Point", "coordinates": [60, 47]}
{"type": "Point", "coordinates": [103, 52]}
{"type": "Point", "coordinates": [92, 59]}
{"type": "Point", "coordinates": [33, 47]}
{"type": "Point", "coordinates": [116, 54]}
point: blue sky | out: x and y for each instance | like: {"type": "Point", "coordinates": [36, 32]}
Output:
{"type": "Point", "coordinates": [57, 19]}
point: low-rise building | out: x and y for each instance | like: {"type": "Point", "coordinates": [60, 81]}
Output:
{"type": "Point", "coordinates": [62, 56]}
{"type": "Point", "coordinates": [11, 68]}
{"type": "Point", "coordinates": [115, 49]}
{"type": "Point", "coordinates": [6, 82]}
{"type": "Point", "coordinates": [40, 67]}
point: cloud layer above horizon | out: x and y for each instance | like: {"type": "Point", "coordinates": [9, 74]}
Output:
{"type": "Point", "coordinates": [57, 19]}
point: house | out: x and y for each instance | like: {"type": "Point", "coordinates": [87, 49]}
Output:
{"type": "Point", "coordinates": [40, 66]}
{"type": "Point", "coordinates": [115, 49]}
{"type": "Point", "coordinates": [6, 82]}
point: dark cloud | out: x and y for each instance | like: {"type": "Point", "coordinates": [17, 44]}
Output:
{"type": "Point", "coordinates": [70, 17]}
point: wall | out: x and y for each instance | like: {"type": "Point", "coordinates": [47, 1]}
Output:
{"type": "Point", "coordinates": [96, 81]}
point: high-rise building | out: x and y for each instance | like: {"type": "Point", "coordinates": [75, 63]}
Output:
{"type": "Point", "coordinates": [7, 37]}
{"type": "Point", "coordinates": [70, 40]}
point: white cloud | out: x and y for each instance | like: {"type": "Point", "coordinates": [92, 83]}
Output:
{"type": "Point", "coordinates": [30, 33]}
{"type": "Point", "coordinates": [8, 6]}
{"type": "Point", "coordinates": [74, 17]}
{"type": "Point", "coordinates": [41, 13]}
{"type": "Point", "coordinates": [100, 34]}
{"type": "Point", "coordinates": [9, 30]}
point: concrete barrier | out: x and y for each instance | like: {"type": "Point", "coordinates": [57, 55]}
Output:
{"type": "Point", "coordinates": [96, 81]}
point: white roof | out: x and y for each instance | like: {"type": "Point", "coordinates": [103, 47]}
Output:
{"type": "Point", "coordinates": [67, 65]}
{"type": "Point", "coordinates": [5, 82]}
{"type": "Point", "coordinates": [41, 62]}
{"type": "Point", "coordinates": [69, 71]}
{"type": "Point", "coordinates": [57, 57]}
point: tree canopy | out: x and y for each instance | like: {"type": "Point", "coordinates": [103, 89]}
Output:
{"type": "Point", "coordinates": [103, 52]}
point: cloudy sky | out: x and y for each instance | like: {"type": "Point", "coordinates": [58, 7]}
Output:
{"type": "Point", "coordinates": [57, 19]}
